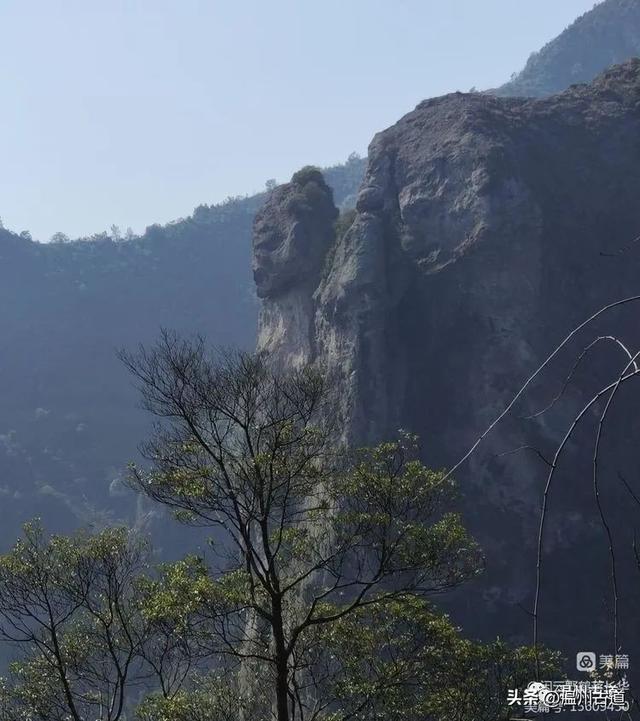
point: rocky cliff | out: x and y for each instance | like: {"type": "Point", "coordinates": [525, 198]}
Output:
{"type": "Point", "coordinates": [486, 228]}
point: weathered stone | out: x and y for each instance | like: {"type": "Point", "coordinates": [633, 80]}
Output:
{"type": "Point", "coordinates": [292, 234]}
{"type": "Point", "coordinates": [477, 245]}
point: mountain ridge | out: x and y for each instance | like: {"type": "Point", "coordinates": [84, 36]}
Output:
{"type": "Point", "coordinates": [606, 35]}
{"type": "Point", "coordinates": [69, 420]}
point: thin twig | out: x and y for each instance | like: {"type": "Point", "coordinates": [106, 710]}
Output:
{"type": "Point", "coordinates": [535, 374]}
{"type": "Point", "coordinates": [545, 499]}
{"type": "Point", "coordinates": [574, 368]}
{"type": "Point", "coordinates": [621, 251]}
{"type": "Point", "coordinates": [524, 448]}
{"type": "Point", "coordinates": [628, 487]}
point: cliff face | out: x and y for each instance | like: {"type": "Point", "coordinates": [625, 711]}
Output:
{"type": "Point", "coordinates": [292, 235]}
{"type": "Point", "coordinates": [486, 228]}
{"type": "Point", "coordinates": [606, 35]}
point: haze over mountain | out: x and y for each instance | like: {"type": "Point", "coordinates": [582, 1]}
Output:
{"type": "Point", "coordinates": [134, 113]}
{"type": "Point", "coordinates": [68, 418]}
{"type": "Point", "coordinates": [606, 35]}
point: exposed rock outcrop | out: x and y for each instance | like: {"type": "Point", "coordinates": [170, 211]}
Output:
{"type": "Point", "coordinates": [486, 228]}
{"type": "Point", "coordinates": [292, 235]}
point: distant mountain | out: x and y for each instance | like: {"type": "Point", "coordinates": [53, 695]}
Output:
{"type": "Point", "coordinates": [69, 420]}
{"type": "Point", "coordinates": [607, 35]}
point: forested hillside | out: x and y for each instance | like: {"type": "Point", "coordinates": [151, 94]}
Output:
{"type": "Point", "coordinates": [68, 416]}
{"type": "Point", "coordinates": [604, 36]}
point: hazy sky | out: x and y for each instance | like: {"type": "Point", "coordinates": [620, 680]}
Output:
{"type": "Point", "coordinates": [133, 112]}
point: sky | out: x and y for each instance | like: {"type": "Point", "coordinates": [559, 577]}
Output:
{"type": "Point", "coordinates": [134, 112]}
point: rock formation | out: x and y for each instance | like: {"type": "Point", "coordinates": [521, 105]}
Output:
{"type": "Point", "coordinates": [486, 228]}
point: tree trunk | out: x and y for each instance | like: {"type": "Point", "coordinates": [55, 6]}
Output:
{"type": "Point", "coordinates": [282, 663]}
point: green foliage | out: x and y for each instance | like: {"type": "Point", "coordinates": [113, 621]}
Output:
{"type": "Point", "coordinates": [397, 507]}
{"type": "Point", "coordinates": [319, 606]}
{"type": "Point", "coordinates": [331, 554]}
{"type": "Point", "coordinates": [186, 587]}
{"type": "Point", "coordinates": [310, 194]}
{"type": "Point", "coordinates": [71, 602]}
{"type": "Point", "coordinates": [210, 698]}
{"type": "Point", "coordinates": [403, 660]}
{"type": "Point", "coordinates": [181, 588]}
{"type": "Point", "coordinates": [365, 650]}
{"type": "Point", "coordinates": [308, 174]}
{"type": "Point", "coordinates": [400, 660]}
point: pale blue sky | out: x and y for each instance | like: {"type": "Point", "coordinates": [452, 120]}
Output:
{"type": "Point", "coordinates": [133, 112]}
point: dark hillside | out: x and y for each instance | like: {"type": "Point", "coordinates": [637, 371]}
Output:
{"type": "Point", "coordinates": [68, 417]}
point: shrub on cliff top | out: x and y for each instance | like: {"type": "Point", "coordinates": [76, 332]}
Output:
{"type": "Point", "coordinates": [310, 173]}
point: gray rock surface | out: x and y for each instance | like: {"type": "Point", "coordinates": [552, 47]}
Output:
{"type": "Point", "coordinates": [292, 235]}
{"type": "Point", "coordinates": [486, 228]}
